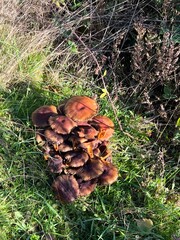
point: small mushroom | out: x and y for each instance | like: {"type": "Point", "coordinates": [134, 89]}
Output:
{"type": "Point", "coordinates": [109, 175]}
{"type": "Point", "coordinates": [55, 164]}
{"type": "Point", "coordinates": [53, 138]}
{"type": "Point", "coordinates": [41, 115]}
{"type": "Point", "coordinates": [66, 188]}
{"type": "Point", "coordinates": [92, 169]}
{"type": "Point", "coordinates": [87, 187]}
{"type": "Point", "coordinates": [76, 159]}
{"type": "Point", "coordinates": [81, 108]}
{"type": "Point", "coordinates": [104, 125]}
{"type": "Point", "coordinates": [61, 124]}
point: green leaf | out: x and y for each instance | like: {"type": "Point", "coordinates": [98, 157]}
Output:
{"type": "Point", "coordinates": [72, 46]}
{"type": "Point", "coordinates": [34, 237]}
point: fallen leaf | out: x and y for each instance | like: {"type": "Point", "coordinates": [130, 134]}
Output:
{"type": "Point", "coordinates": [144, 225]}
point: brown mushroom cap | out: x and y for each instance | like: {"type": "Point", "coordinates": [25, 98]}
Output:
{"type": "Point", "coordinates": [80, 108]}
{"type": "Point", "coordinates": [55, 164]}
{"type": "Point", "coordinates": [65, 147]}
{"type": "Point", "coordinates": [66, 188]}
{"type": "Point", "coordinates": [92, 169]}
{"type": "Point", "coordinates": [109, 175]}
{"type": "Point", "coordinates": [53, 138]}
{"type": "Point", "coordinates": [76, 159]}
{"type": "Point", "coordinates": [102, 121]}
{"type": "Point", "coordinates": [87, 187]}
{"type": "Point", "coordinates": [87, 132]}
{"type": "Point", "coordinates": [104, 125]}
{"type": "Point", "coordinates": [61, 124]}
{"type": "Point", "coordinates": [41, 115]}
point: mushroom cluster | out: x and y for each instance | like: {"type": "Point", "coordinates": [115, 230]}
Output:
{"type": "Point", "coordinates": [74, 141]}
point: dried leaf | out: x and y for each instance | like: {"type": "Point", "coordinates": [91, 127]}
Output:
{"type": "Point", "coordinates": [145, 224]}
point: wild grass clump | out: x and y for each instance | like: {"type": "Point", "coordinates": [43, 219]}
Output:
{"type": "Point", "coordinates": [127, 54]}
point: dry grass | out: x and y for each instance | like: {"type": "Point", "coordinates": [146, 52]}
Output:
{"type": "Point", "coordinates": [25, 50]}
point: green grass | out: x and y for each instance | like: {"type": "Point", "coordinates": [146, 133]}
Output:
{"type": "Point", "coordinates": [36, 69]}
{"type": "Point", "coordinates": [28, 207]}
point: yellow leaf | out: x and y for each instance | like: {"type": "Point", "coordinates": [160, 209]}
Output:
{"type": "Point", "coordinates": [178, 122]}
{"type": "Point", "coordinates": [104, 93]}
{"type": "Point", "coordinates": [57, 3]}
{"type": "Point", "coordinates": [105, 73]}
